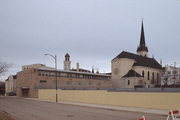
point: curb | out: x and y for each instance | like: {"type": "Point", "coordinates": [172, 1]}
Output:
{"type": "Point", "coordinates": [121, 108]}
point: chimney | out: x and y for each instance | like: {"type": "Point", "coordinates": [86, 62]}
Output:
{"type": "Point", "coordinates": [77, 65]}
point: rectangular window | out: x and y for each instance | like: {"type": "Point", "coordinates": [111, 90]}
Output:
{"type": "Point", "coordinates": [169, 72]}
{"type": "Point", "coordinates": [68, 82]}
{"type": "Point", "coordinates": [80, 76]}
{"type": "Point", "coordinates": [90, 83]}
{"type": "Point", "coordinates": [99, 83]}
{"type": "Point", "coordinates": [63, 74]}
{"type": "Point", "coordinates": [39, 74]}
{"type": "Point", "coordinates": [43, 81]}
{"type": "Point", "coordinates": [79, 83]}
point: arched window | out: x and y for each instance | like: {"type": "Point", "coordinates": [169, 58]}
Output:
{"type": "Point", "coordinates": [153, 76]}
{"type": "Point", "coordinates": [148, 75]}
{"type": "Point", "coordinates": [157, 77]}
{"type": "Point", "coordinates": [128, 82]}
{"type": "Point", "coordinates": [143, 73]}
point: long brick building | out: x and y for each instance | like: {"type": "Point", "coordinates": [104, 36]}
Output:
{"type": "Point", "coordinates": [35, 77]}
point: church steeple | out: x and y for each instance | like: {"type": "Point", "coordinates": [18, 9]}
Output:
{"type": "Point", "coordinates": [142, 48]}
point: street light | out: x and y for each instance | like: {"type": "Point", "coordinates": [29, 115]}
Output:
{"type": "Point", "coordinates": [55, 59]}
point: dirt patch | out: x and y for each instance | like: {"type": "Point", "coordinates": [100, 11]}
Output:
{"type": "Point", "coordinates": [5, 116]}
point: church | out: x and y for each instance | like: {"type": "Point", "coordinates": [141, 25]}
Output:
{"type": "Point", "coordinates": [131, 70]}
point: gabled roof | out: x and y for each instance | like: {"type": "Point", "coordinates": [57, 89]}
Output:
{"type": "Point", "coordinates": [132, 73]}
{"type": "Point", "coordinates": [140, 60]}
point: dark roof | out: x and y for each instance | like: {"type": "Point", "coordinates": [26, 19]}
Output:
{"type": "Point", "coordinates": [67, 55]}
{"type": "Point", "coordinates": [142, 45]}
{"type": "Point", "coordinates": [140, 60]}
{"type": "Point", "coordinates": [132, 73]}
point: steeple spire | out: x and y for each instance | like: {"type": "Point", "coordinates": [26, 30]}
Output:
{"type": "Point", "coordinates": [142, 48]}
{"type": "Point", "coordinates": [142, 39]}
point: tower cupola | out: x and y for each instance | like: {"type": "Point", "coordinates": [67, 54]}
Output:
{"type": "Point", "coordinates": [67, 62]}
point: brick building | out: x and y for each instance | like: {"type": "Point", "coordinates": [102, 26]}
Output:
{"type": "Point", "coordinates": [30, 79]}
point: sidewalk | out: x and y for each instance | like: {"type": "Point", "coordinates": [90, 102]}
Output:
{"type": "Point", "coordinates": [122, 108]}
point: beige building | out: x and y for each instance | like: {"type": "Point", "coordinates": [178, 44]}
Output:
{"type": "Point", "coordinates": [38, 65]}
{"type": "Point", "coordinates": [32, 79]}
{"type": "Point", "coordinates": [131, 70]}
{"type": "Point", "coordinates": [10, 85]}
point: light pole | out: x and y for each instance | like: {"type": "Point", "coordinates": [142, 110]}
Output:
{"type": "Point", "coordinates": [55, 60]}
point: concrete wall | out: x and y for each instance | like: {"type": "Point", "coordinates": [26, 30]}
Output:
{"type": "Point", "coordinates": [131, 99]}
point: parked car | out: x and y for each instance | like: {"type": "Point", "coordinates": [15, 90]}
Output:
{"type": "Point", "coordinates": [12, 94]}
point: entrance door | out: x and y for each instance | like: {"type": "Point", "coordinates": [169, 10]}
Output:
{"type": "Point", "coordinates": [25, 92]}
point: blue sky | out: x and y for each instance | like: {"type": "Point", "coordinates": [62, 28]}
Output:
{"type": "Point", "coordinates": [93, 32]}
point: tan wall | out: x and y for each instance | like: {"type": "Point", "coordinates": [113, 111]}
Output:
{"type": "Point", "coordinates": [139, 70]}
{"type": "Point", "coordinates": [123, 65]}
{"type": "Point", "coordinates": [130, 99]}
{"type": "Point", "coordinates": [120, 67]}
{"type": "Point", "coordinates": [133, 81]}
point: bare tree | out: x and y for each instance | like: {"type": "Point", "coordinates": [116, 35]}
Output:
{"type": "Point", "coordinates": [4, 67]}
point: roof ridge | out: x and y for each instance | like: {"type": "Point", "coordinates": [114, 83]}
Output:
{"type": "Point", "coordinates": [141, 60]}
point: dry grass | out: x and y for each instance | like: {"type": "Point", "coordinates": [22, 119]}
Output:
{"type": "Point", "coordinates": [4, 116]}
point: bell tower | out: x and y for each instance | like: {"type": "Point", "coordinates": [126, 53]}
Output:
{"type": "Point", "coordinates": [67, 62]}
{"type": "Point", "coordinates": [142, 49]}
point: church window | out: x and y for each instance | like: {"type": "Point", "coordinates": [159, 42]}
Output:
{"type": "Point", "coordinates": [148, 75]}
{"type": "Point", "coordinates": [157, 77]}
{"type": "Point", "coordinates": [128, 82]}
{"type": "Point", "coordinates": [153, 76]}
{"type": "Point", "coordinates": [143, 73]}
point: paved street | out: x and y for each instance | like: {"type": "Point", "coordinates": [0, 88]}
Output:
{"type": "Point", "coordinates": [25, 109]}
